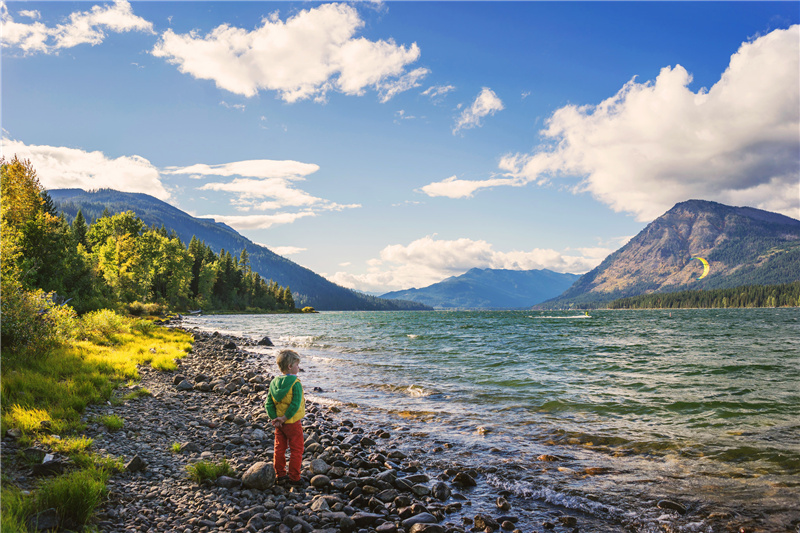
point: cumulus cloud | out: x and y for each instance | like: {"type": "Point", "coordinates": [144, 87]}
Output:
{"type": "Point", "coordinates": [657, 143]}
{"type": "Point", "coordinates": [82, 27]}
{"type": "Point", "coordinates": [429, 260]}
{"type": "Point", "coordinates": [487, 103]}
{"type": "Point", "coordinates": [61, 168]}
{"type": "Point", "coordinates": [306, 56]}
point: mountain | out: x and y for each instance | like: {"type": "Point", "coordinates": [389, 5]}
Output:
{"type": "Point", "coordinates": [743, 246]}
{"type": "Point", "coordinates": [308, 288]}
{"type": "Point", "coordinates": [490, 289]}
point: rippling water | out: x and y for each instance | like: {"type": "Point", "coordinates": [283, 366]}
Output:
{"type": "Point", "coordinates": [697, 406]}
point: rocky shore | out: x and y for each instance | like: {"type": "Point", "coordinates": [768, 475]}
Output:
{"type": "Point", "coordinates": [356, 479]}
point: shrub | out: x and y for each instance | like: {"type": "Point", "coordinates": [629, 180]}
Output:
{"type": "Point", "coordinates": [309, 309]}
{"type": "Point", "coordinates": [145, 309]}
{"type": "Point", "coordinates": [176, 447]}
{"type": "Point", "coordinates": [203, 470]}
{"type": "Point", "coordinates": [32, 322]}
{"type": "Point", "coordinates": [102, 327]}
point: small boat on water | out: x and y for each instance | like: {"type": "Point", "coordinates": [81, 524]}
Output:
{"type": "Point", "coordinates": [196, 312]}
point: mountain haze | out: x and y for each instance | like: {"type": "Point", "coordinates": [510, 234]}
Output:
{"type": "Point", "coordinates": [742, 245]}
{"type": "Point", "coordinates": [308, 288]}
{"type": "Point", "coordinates": [490, 289]}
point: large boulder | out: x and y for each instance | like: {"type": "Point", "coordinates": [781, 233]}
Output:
{"type": "Point", "coordinates": [260, 476]}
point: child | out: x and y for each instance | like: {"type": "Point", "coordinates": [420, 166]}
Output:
{"type": "Point", "coordinates": [285, 406]}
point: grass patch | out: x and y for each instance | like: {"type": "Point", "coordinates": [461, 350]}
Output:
{"type": "Point", "coordinates": [135, 395]}
{"type": "Point", "coordinates": [75, 495]}
{"type": "Point", "coordinates": [203, 470]}
{"type": "Point", "coordinates": [175, 448]}
{"type": "Point", "coordinates": [45, 396]}
{"type": "Point", "coordinates": [111, 422]}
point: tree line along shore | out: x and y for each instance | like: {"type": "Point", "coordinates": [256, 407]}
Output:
{"type": "Point", "coordinates": [749, 296]}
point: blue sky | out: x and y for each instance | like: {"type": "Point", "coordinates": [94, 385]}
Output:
{"type": "Point", "coordinates": [389, 145]}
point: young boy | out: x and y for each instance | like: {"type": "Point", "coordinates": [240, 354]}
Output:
{"type": "Point", "coordinates": [286, 407]}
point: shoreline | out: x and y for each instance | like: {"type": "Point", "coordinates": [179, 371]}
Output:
{"type": "Point", "coordinates": [362, 477]}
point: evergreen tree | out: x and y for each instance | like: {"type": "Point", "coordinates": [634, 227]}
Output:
{"type": "Point", "coordinates": [79, 229]}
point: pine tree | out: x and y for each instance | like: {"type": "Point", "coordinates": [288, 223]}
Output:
{"type": "Point", "coordinates": [79, 229]}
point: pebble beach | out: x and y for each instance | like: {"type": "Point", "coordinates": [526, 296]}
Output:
{"type": "Point", "coordinates": [357, 477]}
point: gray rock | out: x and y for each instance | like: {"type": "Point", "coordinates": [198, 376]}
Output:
{"type": "Point", "coordinates": [228, 482]}
{"type": "Point", "coordinates": [47, 519]}
{"type": "Point", "coordinates": [35, 455]}
{"type": "Point", "coordinates": [265, 342]}
{"type": "Point", "coordinates": [320, 481]}
{"type": "Point", "coordinates": [259, 435]}
{"type": "Point", "coordinates": [673, 506]}
{"type": "Point", "coordinates": [441, 491]}
{"type": "Point", "coordinates": [421, 518]}
{"type": "Point", "coordinates": [365, 519]}
{"type": "Point", "coordinates": [14, 433]}
{"type": "Point", "coordinates": [136, 464]}
{"type": "Point", "coordinates": [420, 489]}
{"type": "Point", "coordinates": [426, 528]}
{"type": "Point", "coordinates": [463, 479]}
{"type": "Point", "coordinates": [260, 476]}
{"type": "Point", "coordinates": [184, 385]}
{"type": "Point", "coordinates": [318, 466]}
{"type": "Point", "coordinates": [190, 447]}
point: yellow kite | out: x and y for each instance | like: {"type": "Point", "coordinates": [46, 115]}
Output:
{"type": "Point", "coordinates": [706, 268]}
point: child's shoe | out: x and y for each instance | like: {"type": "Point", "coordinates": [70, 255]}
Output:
{"type": "Point", "coordinates": [295, 483]}
{"type": "Point", "coordinates": [281, 480]}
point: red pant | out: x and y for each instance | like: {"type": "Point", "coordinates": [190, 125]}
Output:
{"type": "Point", "coordinates": [291, 434]}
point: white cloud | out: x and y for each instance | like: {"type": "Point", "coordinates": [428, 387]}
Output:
{"type": "Point", "coordinates": [437, 93]}
{"type": "Point", "coordinates": [262, 185]}
{"type": "Point", "coordinates": [286, 250]}
{"type": "Point", "coordinates": [429, 260]}
{"type": "Point", "coordinates": [252, 168]}
{"type": "Point", "coordinates": [82, 27]}
{"type": "Point", "coordinates": [453, 187]}
{"type": "Point", "coordinates": [61, 168]}
{"type": "Point", "coordinates": [245, 222]}
{"type": "Point", "coordinates": [304, 57]}
{"type": "Point", "coordinates": [31, 14]}
{"type": "Point", "coordinates": [487, 103]}
{"type": "Point", "coordinates": [657, 143]}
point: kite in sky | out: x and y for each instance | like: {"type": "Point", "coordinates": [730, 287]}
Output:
{"type": "Point", "coordinates": [705, 267]}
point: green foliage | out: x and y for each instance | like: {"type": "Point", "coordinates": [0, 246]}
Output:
{"type": "Point", "coordinates": [783, 295]}
{"type": "Point", "coordinates": [175, 447]}
{"type": "Point", "coordinates": [111, 422]}
{"type": "Point", "coordinates": [75, 495]}
{"type": "Point", "coordinates": [32, 322]}
{"type": "Point", "coordinates": [203, 470]}
{"type": "Point", "coordinates": [211, 238]}
{"type": "Point", "coordinates": [138, 308]}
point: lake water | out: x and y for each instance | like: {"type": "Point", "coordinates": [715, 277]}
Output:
{"type": "Point", "coordinates": [701, 407]}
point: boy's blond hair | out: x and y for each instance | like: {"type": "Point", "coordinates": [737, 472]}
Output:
{"type": "Point", "coordinates": [287, 358]}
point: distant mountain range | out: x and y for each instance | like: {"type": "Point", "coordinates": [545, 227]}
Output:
{"type": "Point", "coordinates": [490, 289]}
{"type": "Point", "coordinates": [742, 245]}
{"type": "Point", "coordinates": [309, 289]}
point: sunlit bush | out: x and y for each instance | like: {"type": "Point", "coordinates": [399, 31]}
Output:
{"type": "Point", "coordinates": [32, 322]}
